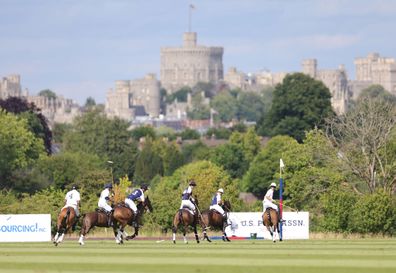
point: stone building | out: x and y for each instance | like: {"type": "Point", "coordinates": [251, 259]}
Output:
{"type": "Point", "coordinates": [56, 110]}
{"type": "Point", "coordinates": [374, 69]}
{"type": "Point", "coordinates": [335, 79]}
{"type": "Point", "coordinates": [10, 86]}
{"type": "Point", "coordinates": [252, 81]}
{"type": "Point", "coordinates": [134, 98]}
{"type": "Point", "coordinates": [190, 64]}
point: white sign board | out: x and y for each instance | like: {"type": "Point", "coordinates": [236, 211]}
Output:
{"type": "Point", "coordinates": [25, 227]}
{"type": "Point", "coordinates": [246, 224]}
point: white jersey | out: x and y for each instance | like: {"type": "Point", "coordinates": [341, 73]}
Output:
{"type": "Point", "coordinates": [104, 195]}
{"type": "Point", "coordinates": [269, 194]}
{"type": "Point", "coordinates": [267, 202]}
{"type": "Point", "coordinates": [72, 198]}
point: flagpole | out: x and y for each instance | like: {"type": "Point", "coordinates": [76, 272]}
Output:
{"type": "Point", "coordinates": [281, 165]}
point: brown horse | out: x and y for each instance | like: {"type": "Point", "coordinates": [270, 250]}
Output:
{"type": "Point", "coordinates": [271, 222]}
{"type": "Point", "coordinates": [125, 216]}
{"type": "Point", "coordinates": [213, 219]}
{"type": "Point", "coordinates": [97, 218]}
{"type": "Point", "coordinates": [66, 219]}
{"type": "Point", "coordinates": [185, 218]}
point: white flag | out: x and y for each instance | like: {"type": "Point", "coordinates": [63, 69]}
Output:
{"type": "Point", "coordinates": [281, 164]}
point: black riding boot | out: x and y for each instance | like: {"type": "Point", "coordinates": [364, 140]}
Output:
{"type": "Point", "coordinates": [109, 216]}
{"type": "Point", "coordinates": [135, 220]}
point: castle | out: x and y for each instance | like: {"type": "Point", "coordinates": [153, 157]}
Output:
{"type": "Point", "coordinates": [56, 110]}
{"type": "Point", "coordinates": [132, 98]}
{"type": "Point", "coordinates": [190, 64]}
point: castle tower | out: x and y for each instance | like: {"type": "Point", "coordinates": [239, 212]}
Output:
{"type": "Point", "coordinates": [309, 67]}
{"type": "Point", "coordinates": [190, 64]}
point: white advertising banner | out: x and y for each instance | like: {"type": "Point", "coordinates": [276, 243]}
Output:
{"type": "Point", "coordinates": [248, 224]}
{"type": "Point", "coordinates": [25, 227]}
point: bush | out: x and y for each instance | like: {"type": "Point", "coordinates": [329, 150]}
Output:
{"type": "Point", "coordinates": [374, 213]}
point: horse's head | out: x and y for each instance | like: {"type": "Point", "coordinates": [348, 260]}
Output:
{"type": "Point", "coordinates": [226, 206]}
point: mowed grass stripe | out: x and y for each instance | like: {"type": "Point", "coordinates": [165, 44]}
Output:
{"type": "Point", "coordinates": [246, 256]}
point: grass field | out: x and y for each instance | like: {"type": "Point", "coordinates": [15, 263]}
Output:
{"type": "Point", "coordinates": [319, 256]}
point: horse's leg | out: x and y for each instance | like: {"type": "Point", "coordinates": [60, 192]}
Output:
{"type": "Point", "coordinates": [174, 229]}
{"type": "Point", "coordinates": [136, 233]}
{"type": "Point", "coordinates": [196, 234]}
{"type": "Point", "coordinates": [184, 234]}
{"type": "Point", "coordinates": [205, 234]}
{"type": "Point", "coordinates": [224, 233]}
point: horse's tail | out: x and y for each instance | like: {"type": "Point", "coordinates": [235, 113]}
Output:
{"type": "Point", "coordinates": [63, 224]}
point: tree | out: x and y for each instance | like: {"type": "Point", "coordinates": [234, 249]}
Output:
{"type": "Point", "coordinates": [218, 133]}
{"type": "Point", "coordinates": [90, 102]}
{"type": "Point", "coordinates": [143, 131]}
{"type": "Point", "coordinates": [37, 123]}
{"type": "Point", "coordinates": [363, 137]}
{"type": "Point", "coordinates": [196, 151]}
{"type": "Point", "coordinates": [64, 169]}
{"type": "Point", "coordinates": [231, 157]}
{"type": "Point", "coordinates": [199, 110]}
{"type": "Point", "coordinates": [180, 95]}
{"type": "Point", "coordinates": [300, 103]}
{"type": "Point", "coordinates": [226, 106]}
{"type": "Point", "coordinates": [208, 177]}
{"type": "Point", "coordinates": [148, 164]}
{"type": "Point", "coordinates": [19, 148]}
{"type": "Point", "coordinates": [266, 165]}
{"type": "Point", "coordinates": [107, 138]}
{"type": "Point", "coordinates": [249, 142]}
{"type": "Point", "coordinates": [47, 93]}
{"type": "Point", "coordinates": [190, 134]}
{"type": "Point", "coordinates": [250, 106]}
{"type": "Point", "coordinates": [376, 91]}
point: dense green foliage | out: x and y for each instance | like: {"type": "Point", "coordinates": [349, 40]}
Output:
{"type": "Point", "coordinates": [300, 103]}
{"type": "Point", "coordinates": [47, 93]}
{"type": "Point", "coordinates": [37, 123]}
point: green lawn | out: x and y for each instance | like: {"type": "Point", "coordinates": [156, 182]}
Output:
{"type": "Point", "coordinates": [319, 256]}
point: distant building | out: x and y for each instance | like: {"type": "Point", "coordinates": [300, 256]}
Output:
{"type": "Point", "coordinates": [10, 86]}
{"type": "Point", "coordinates": [134, 98]}
{"type": "Point", "coordinates": [335, 79]}
{"type": "Point", "coordinates": [374, 69]}
{"type": "Point", "coordinates": [252, 81]}
{"type": "Point", "coordinates": [56, 110]}
{"type": "Point", "coordinates": [190, 64]}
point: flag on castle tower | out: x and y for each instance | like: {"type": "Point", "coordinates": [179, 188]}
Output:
{"type": "Point", "coordinates": [192, 6]}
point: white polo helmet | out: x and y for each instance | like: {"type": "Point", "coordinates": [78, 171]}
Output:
{"type": "Point", "coordinates": [273, 184]}
{"type": "Point", "coordinates": [220, 190]}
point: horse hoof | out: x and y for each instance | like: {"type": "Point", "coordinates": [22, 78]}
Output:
{"type": "Point", "coordinates": [197, 242]}
{"type": "Point", "coordinates": [228, 240]}
{"type": "Point", "coordinates": [174, 242]}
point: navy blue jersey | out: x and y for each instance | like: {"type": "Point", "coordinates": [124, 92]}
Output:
{"type": "Point", "coordinates": [216, 199]}
{"type": "Point", "coordinates": [136, 194]}
{"type": "Point", "coordinates": [187, 193]}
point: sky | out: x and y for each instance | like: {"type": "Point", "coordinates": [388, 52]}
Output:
{"type": "Point", "coordinates": [79, 48]}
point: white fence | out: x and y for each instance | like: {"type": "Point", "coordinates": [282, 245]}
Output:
{"type": "Point", "coordinates": [248, 224]}
{"type": "Point", "coordinates": [25, 227]}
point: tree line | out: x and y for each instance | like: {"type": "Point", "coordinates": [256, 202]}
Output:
{"type": "Point", "coordinates": [339, 168]}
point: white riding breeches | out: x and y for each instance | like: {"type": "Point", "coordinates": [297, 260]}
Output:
{"type": "Point", "coordinates": [217, 208]}
{"type": "Point", "coordinates": [187, 204]}
{"type": "Point", "coordinates": [269, 205]}
{"type": "Point", "coordinates": [131, 204]}
{"type": "Point", "coordinates": [105, 206]}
